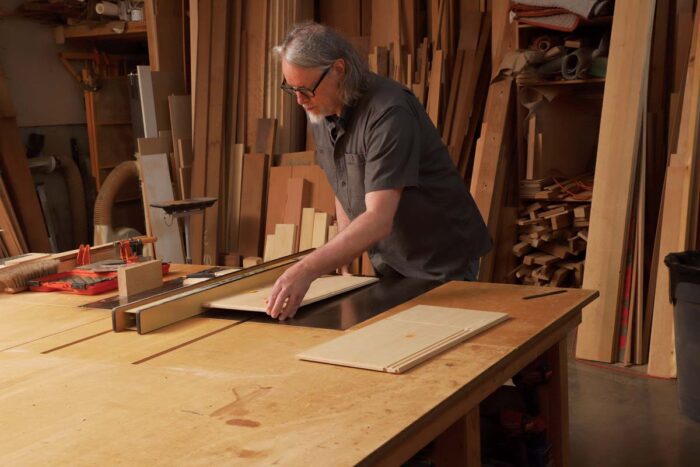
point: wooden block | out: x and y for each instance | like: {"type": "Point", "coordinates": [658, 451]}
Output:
{"type": "Point", "coordinates": [250, 261]}
{"type": "Point", "coordinates": [366, 267]}
{"type": "Point", "coordinates": [230, 259]}
{"type": "Point", "coordinates": [320, 231]}
{"type": "Point", "coordinates": [556, 249]}
{"type": "Point", "coordinates": [521, 249]}
{"type": "Point", "coordinates": [269, 250]}
{"type": "Point", "coordinates": [332, 231]}
{"type": "Point", "coordinates": [285, 234]}
{"type": "Point", "coordinates": [298, 198]}
{"type": "Point", "coordinates": [306, 229]}
{"type": "Point", "coordinates": [295, 158]}
{"type": "Point", "coordinates": [582, 212]}
{"type": "Point", "coordinates": [559, 221]}
{"type": "Point", "coordinates": [252, 204]}
{"type": "Point", "coordinates": [140, 277]}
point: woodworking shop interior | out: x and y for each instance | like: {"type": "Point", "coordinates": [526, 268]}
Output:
{"type": "Point", "coordinates": [350, 232]}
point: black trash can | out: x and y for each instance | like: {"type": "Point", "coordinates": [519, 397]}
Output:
{"type": "Point", "coordinates": [684, 290]}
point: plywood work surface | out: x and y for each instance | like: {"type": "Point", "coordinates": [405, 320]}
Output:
{"type": "Point", "coordinates": [216, 391]}
{"type": "Point", "coordinates": [320, 289]}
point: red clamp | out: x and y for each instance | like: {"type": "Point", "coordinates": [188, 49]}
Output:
{"type": "Point", "coordinates": [83, 257]}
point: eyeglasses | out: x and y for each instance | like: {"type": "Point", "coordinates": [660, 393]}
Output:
{"type": "Point", "coordinates": [309, 93]}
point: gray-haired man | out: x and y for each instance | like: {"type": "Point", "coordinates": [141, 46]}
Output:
{"type": "Point", "coordinates": [398, 194]}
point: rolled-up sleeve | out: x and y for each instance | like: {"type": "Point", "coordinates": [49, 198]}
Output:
{"type": "Point", "coordinates": [393, 151]}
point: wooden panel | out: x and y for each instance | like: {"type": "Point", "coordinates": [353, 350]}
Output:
{"type": "Point", "coordinates": [159, 145]}
{"type": "Point", "coordinates": [181, 123]}
{"type": "Point", "coordinates": [265, 135]}
{"type": "Point", "coordinates": [256, 45]}
{"type": "Point", "coordinates": [320, 233]}
{"type": "Point", "coordinates": [284, 240]}
{"type": "Point", "coordinates": [487, 185]}
{"type": "Point", "coordinates": [140, 277]}
{"type": "Point", "coordinates": [200, 122]}
{"type": "Point", "coordinates": [342, 15]}
{"type": "Point", "coordinates": [298, 197]}
{"type": "Point", "coordinates": [320, 289]}
{"type": "Point", "coordinates": [164, 23]}
{"type": "Point", "coordinates": [433, 107]}
{"type": "Point", "coordinates": [405, 339]}
{"type": "Point", "coordinates": [322, 195]}
{"type": "Point", "coordinates": [295, 158]}
{"type": "Point", "coordinates": [618, 144]}
{"type": "Point", "coordinates": [157, 187]}
{"type": "Point", "coordinates": [252, 204]}
{"type": "Point", "coordinates": [276, 197]}
{"type": "Point", "coordinates": [12, 232]}
{"type": "Point", "coordinates": [20, 185]}
{"type": "Point", "coordinates": [234, 205]}
{"type": "Point", "coordinates": [306, 230]}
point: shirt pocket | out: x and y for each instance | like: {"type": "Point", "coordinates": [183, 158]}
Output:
{"type": "Point", "coordinates": [324, 158]}
{"type": "Point", "coordinates": [355, 164]}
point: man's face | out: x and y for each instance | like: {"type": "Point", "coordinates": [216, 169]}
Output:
{"type": "Point", "coordinates": [325, 100]}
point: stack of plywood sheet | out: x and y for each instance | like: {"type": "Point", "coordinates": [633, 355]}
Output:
{"type": "Point", "coordinates": [404, 340]}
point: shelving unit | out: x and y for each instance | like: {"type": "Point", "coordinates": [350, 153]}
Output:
{"type": "Point", "coordinates": [114, 30]}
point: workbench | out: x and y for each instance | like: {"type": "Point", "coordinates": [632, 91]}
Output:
{"type": "Point", "coordinates": [222, 391]}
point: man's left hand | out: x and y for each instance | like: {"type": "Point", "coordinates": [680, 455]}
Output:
{"type": "Point", "coordinates": [288, 292]}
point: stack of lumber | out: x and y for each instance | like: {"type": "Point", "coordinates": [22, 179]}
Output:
{"type": "Point", "coordinates": [646, 195]}
{"type": "Point", "coordinates": [311, 229]}
{"type": "Point", "coordinates": [240, 116]}
{"type": "Point", "coordinates": [439, 50]}
{"type": "Point", "coordinates": [552, 244]}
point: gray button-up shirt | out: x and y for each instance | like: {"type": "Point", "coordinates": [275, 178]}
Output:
{"type": "Point", "coordinates": [387, 141]}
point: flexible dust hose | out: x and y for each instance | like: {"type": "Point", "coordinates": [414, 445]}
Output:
{"type": "Point", "coordinates": [121, 175]}
{"type": "Point", "coordinates": [76, 194]}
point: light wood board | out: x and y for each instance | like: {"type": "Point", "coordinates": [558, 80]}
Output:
{"type": "Point", "coordinates": [405, 339]}
{"type": "Point", "coordinates": [320, 289]}
{"type": "Point", "coordinates": [618, 145]}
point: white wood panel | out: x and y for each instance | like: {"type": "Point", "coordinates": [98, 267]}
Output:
{"type": "Point", "coordinates": [320, 289]}
{"type": "Point", "coordinates": [404, 340]}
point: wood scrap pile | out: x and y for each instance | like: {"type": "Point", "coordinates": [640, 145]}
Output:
{"type": "Point", "coordinates": [552, 243]}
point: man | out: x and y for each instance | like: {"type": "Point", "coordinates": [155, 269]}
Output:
{"type": "Point", "coordinates": [398, 194]}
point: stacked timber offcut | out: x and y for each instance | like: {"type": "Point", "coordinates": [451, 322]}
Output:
{"type": "Point", "coordinates": [553, 232]}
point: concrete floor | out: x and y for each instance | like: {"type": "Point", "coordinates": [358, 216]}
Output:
{"type": "Point", "coordinates": [618, 419]}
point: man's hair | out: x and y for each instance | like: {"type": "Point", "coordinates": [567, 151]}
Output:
{"type": "Point", "coordinates": [313, 45]}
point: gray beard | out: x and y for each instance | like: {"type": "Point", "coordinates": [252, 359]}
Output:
{"type": "Point", "coordinates": [314, 118]}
